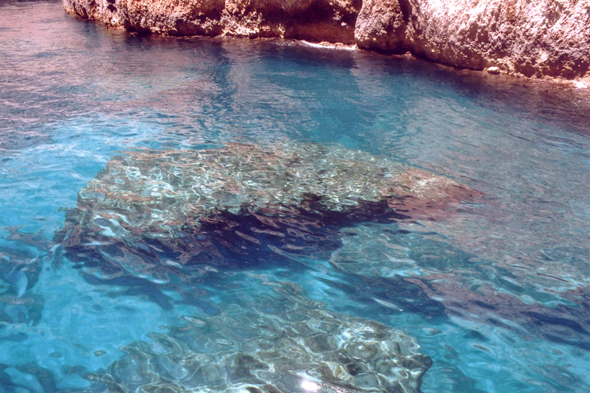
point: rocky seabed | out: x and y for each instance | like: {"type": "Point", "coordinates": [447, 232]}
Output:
{"type": "Point", "coordinates": [178, 221]}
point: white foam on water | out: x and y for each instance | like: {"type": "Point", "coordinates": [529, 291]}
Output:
{"type": "Point", "coordinates": [327, 45]}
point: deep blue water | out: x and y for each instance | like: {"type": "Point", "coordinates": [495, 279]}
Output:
{"type": "Point", "coordinates": [495, 293]}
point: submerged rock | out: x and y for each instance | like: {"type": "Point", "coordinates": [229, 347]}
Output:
{"type": "Point", "coordinates": [157, 223]}
{"type": "Point", "coordinates": [280, 341]}
{"type": "Point", "coordinates": [239, 203]}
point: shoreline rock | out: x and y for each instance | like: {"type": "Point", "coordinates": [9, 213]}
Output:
{"type": "Point", "coordinates": [543, 39]}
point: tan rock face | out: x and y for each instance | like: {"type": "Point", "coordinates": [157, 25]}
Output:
{"type": "Point", "coordinates": [531, 38]}
{"type": "Point", "coordinates": [381, 26]}
{"type": "Point", "coordinates": [320, 20]}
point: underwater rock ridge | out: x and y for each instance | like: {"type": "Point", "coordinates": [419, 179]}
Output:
{"type": "Point", "coordinates": [544, 38]}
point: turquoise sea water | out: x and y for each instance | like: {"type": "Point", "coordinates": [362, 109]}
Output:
{"type": "Point", "coordinates": [496, 293]}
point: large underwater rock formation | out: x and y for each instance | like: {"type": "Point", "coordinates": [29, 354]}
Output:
{"type": "Point", "coordinates": [162, 221]}
{"type": "Point", "coordinates": [236, 205]}
{"type": "Point", "coordinates": [531, 38]}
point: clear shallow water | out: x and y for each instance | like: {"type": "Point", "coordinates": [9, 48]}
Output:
{"type": "Point", "coordinates": [496, 293]}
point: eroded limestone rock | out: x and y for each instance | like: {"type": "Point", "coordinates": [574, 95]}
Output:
{"type": "Point", "coordinates": [320, 20]}
{"type": "Point", "coordinates": [382, 26]}
{"type": "Point", "coordinates": [531, 38]}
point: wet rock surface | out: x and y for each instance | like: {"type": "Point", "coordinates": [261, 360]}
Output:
{"type": "Point", "coordinates": [281, 341]}
{"type": "Point", "coordinates": [534, 39]}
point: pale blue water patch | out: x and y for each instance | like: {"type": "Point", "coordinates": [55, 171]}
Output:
{"type": "Point", "coordinates": [495, 291]}
{"type": "Point", "coordinates": [40, 180]}
{"type": "Point", "coordinates": [37, 182]}
{"type": "Point", "coordinates": [99, 327]}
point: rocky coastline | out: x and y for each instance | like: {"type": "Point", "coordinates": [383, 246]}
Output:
{"type": "Point", "coordinates": [541, 39]}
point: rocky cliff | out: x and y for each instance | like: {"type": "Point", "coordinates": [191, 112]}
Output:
{"type": "Point", "coordinates": [542, 38]}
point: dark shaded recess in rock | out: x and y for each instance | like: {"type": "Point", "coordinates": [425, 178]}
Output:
{"type": "Point", "coordinates": [321, 12]}
{"type": "Point", "coordinates": [316, 12]}
{"type": "Point", "coordinates": [307, 231]}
